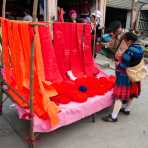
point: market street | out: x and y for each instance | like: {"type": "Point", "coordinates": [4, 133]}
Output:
{"type": "Point", "coordinates": [130, 132]}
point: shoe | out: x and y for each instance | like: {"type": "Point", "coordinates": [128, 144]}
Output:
{"type": "Point", "coordinates": [125, 112]}
{"type": "Point", "coordinates": [109, 118]}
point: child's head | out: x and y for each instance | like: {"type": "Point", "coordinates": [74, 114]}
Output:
{"type": "Point", "coordinates": [95, 16]}
{"type": "Point", "coordinates": [115, 27]}
{"type": "Point", "coordinates": [130, 38]}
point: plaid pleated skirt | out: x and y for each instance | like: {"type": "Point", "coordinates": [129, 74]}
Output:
{"type": "Point", "coordinates": [125, 93]}
{"type": "Point", "coordinates": [125, 89]}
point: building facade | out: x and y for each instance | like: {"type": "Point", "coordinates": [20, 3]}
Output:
{"type": "Point", "coordinates": [132, 13]}
{"type": "Point", "coordinates": [78, 5]}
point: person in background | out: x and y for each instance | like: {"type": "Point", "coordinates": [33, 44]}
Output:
{"type": "Point", "coordinates": [125, 89]}
{"type": "Point", "coordinates": [27, 16]}
{"type": "Point", "coordinates": [60, 12]}
{"type": "Point", "coordinates": [96, 30]}
{"type": "Point", "coordinates": [115, 31]}
{"type": "Point", "coordinates": [73, 16]}
{"type": "Point", "coordinates": [41, 17]}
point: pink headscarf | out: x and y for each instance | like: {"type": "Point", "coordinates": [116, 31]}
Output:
{"type": "Point", "coordinates": [71, 12]}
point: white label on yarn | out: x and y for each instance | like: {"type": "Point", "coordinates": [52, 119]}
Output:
{"type": "Point", "coordinates": [71, 75]}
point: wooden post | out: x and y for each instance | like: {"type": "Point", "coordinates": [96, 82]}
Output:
{"type": "Point", "coordinates": [32, 136]}
{"type": "Point", "coordinates": [132, 14]}
{"type": "Point", "coordinates": [102, 8]}
{"type": "Point", "coordinates": [138, 15]}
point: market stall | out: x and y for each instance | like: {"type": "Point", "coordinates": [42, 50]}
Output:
{"type": "Point", "coordinates": [53, 83]}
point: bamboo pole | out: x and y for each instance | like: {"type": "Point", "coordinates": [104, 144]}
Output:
{"type": "Point", "coordinates": [94, 48]}
{"type": "Point", "coordinates": [95, 31]}
{"type": "Point", "coordinates": [1, 83]}
{"type": "Point", "coordinates": [47, 11]}
{"type": "Point", "coordinates": [32, 136]}
{"type": "Point", "coordinates": [1, 95]}
{"type": "Point", "coordinates": [4, 8]}
{"type": "Point", "coordinates": [35, 8]}
{"type": "Point", "coordinates": [1, 66]}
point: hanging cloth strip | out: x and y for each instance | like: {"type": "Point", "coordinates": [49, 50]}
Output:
{"type": "Point", "coordinates": [89, 63]}
{"type": "Point", "coordinates": [17, 57]}
{"type": "Point", "coordinates": [17, 47]}
{"type": "Point", "coordinates": [52, 72]}
{"type": "Point", "coordinates": [62, 46]}
{"type": "Point", "coordinates": [6, 59]}
{"type": "Point", "coordinates": [25, 41]}
{"type": "Point", "coordinates": [66, 49]}
{"type": "Point", "coordinates": [8, 62]}
{"type": "Point", "coordinates": [45, 89]}
{"type": "Point", "coordinates": [72, 52]}
{"type": "Point", "coordinates": [76, 58]}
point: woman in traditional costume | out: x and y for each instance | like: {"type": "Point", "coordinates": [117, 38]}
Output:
{"type": "Point", "coordinates": [125, 89]}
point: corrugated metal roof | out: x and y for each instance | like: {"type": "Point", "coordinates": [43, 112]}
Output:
{"type": "Point", "coordinates": [125, 4]}
{"type": "Point", "coordinates": [143, 1]}
{"type": "Point", "coordinates": [122, 4]}
{"type": "Point", "coordinates": [145, 7]}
